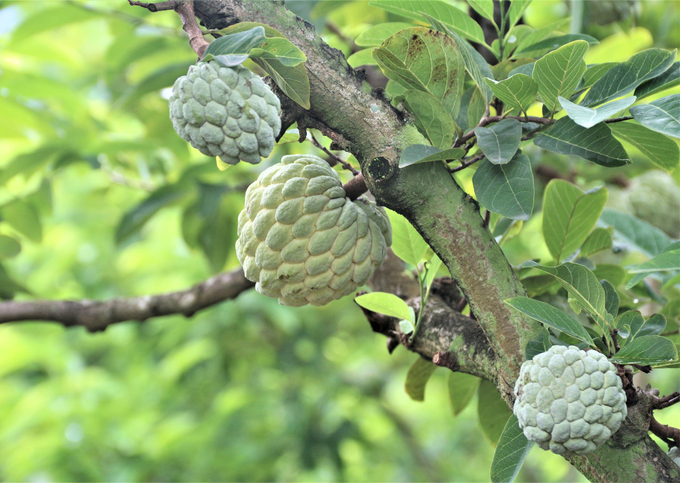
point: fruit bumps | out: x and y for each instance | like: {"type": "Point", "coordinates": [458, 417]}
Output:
{"type": "Point", "coordinates": [302, 240]}
{"type": "Point", "coordinates": [569, 400]}
{"type": "Point", "coordinates": [225, 111]}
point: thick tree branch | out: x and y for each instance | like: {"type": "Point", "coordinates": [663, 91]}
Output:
{"type": "Point", "coordinates": [97, 315]}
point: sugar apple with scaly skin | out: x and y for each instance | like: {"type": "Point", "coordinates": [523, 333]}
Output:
{"type": "Point", "coordinates": [302, 240]}
{"type": "Point", "coordinates": [568, 400]}
{"type": "Point", "coordinates": [225, 111]}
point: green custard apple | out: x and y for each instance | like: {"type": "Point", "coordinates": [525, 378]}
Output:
{"type": "Point", "coordinates": [302, 240]}
{"type": "Point", "coordinates": [568, 400]}
{"type": "Point", "coordinates": [225, 111]}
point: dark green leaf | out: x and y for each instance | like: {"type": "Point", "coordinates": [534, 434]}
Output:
{"type": "Point", "coordinates": [625, 77]}
{"type": "Point", "coordinates": [647, 238]}
{"type": "Point", "coordinates": [384, 303]}
{"type": "Point", "coordinates": [559, 72]}
{"type": "Point", "coordinates": [281, 48]}
{"type": "Point", "coordinates": [233, 49]}
{"type": "Point", "coordinates": [611, 297]}
{"type": "Point", "coordinates": [588, 117]}
{"type": "Point", "coordinates": [417, 377]}
{"type": "Point", "coordinates": [476, 108]}
{"type": "Point", "coordinates": [660, 150]}
{"type": "Point", "coordinates": [422, 153]}
{"type": "Point", "coordinates": [492, 410]}
{"type": "Point", "coordinates": [553, 43]}
{"type": "Point", "coordinates": [600, 239]}
{"type": "Point", "coordinates": [595, 144]}
{"type": "Point", "coordinates": [500, 142]}
{"type": "Point", "coordinates": [432, 118]}
{"type": "Point", "coordinates": [649, 350]}
{"type": "Point", "coordinates": [661, 116]}
{"type": "Point", "coordinates": [513, 447]}
{"type": "Point", "coordinates": [293, 81]}
{"type": "Point", "coordinates": [462, 388]}
{"type": "Point", "coordinates": [518, 91]}
{"type": "Point", "coordinates": [629, 324]}
{"type": "Point", "coordinates": [655, 325]}
{"type": "Point", "coordinates": [668, 79]}
{"type": "Point", "coordinates": [137, 217]}
{"type": "Point", "coordinates": [550, 316]}
{"type": "Point", "coordinates": [615, 274]}
{"type": "Point", "coordinates": [526, 69]}
{"type": "Point", "coordinates": [507, 189]}
{"type": "Point", "coordinates": [9, 247]}
{"type": "Point", "coordinates": [23, 218]}
{"type": "Point", "coordinates": [449, 15]}
{"type": "Point", "coordinates": [569, 215]}
{"type": "Point", "coordinates": [595, 73]}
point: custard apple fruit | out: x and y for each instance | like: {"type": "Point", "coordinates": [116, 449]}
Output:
{"type": "Point", "coordinates": [568, 400]}
{"type": "Point", "coordinates": [225, 111]}
{"type": "Point", "coordinates": [302, 240]}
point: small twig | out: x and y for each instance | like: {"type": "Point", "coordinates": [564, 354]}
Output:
{"type": "Point", "coordinates": [489, 119]}
{"type": "Point", "coordinates": [618, 119]}
{"type": "Point", "coordinates": [466, 163]}
{"type": "Point", "coordinates": [668, 434]}
{"type": "Point", "coordinates": [446, 359]}
{"type": "Point", "coordinates": [185, 10]}
{"type": "Point", "coordinates": [665, 401]}
{"type": "Point", "coordinates": [461, 305]}
{"type": "Point", "coordinates": [337, 159]}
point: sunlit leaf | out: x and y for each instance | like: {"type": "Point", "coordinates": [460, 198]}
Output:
{"type": "Point", "coordinates": [559, 72]}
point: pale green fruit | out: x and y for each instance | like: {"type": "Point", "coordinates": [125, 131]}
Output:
{"type": "Point", "coordinates": [568, 400]}
{"type": "Point", "coordinates": [302, 240]}
{"type": "Point", "coordinates": [225, 111]}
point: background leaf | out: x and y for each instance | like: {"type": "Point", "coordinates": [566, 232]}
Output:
{"type": "Point", "coordinates": [462, 387]}
{"type": "Point", "coordinates": [417, 377]}
{"type": "Point", "coordinates": [507, 189]}
{"type": "Point", "coordinates": [598, 240]}
{"type": "Point", "coordinates": [377, 34]}
{"type": "Point", "coordinates": [513, 447]}
{"type": "Point", "coordinates": [645, 237]}
{"type": "Point", "coordinates": [23, 218]}
{"type": "Point", "coordinates": [492, 410]}
{"type": "Point", "coordinates": [660, 150]}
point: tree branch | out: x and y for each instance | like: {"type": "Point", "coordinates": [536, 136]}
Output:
{"type": "Point", "coordinates": [97, 315]}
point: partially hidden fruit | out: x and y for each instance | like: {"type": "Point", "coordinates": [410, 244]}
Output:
{"type": "Point", "coordinates": [302, 240]}
{"type": "Point", "coordinates": [568, 400]}
{"type": "Point", "coordinates": [225, 111]}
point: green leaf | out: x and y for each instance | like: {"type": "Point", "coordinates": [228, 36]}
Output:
{"type": "Point", "coordinates": [615, 274]}
{"type": "Point", "coordinates": [663, 262]}
{"type": "Point", "coordinates": [518, 91]}
{"type": "Point", "coordinates": [629, 324]}
{"type": "Point", "coordinates": [517, 8]}
{"type": "Point", "coordinates": [462, 388]}
{"type": "Point", "coordinates": [407, 243]}
{"type": "Point", "coordinates": [507, 189]}
{"type": "Point", "coordinates": [595, 144]}
{"type": "Point", "coordinates": [513, 447]}
{"type": "Point", "coordinates": [137, 217]}
{"type": "Point", "coordinates": [46, 19]}
{"type": "Point", "coordinates": [281, 48]}
{"type": "Point", "coordinates": [595, 73]}
{"type": "Point", "coordinates": [647, 238]}
{"type": "Point", "coordinates": [421, 59]}
{"type": "Point", "coordinates": [492, 410]}
{"type": "Point", "coordinates": [648, 350]}
{"type": "Point", "coordinates": [668, 79]}
{"type": "Point", "coordinates": [583, 287]}
{"type": "Point", "coordinates": [432, 268]}
{"type": "Point", "coordinates": [626, 76]}
{"type": "Point", "coordinates": [542, 33]}
{"type": "Point", "coordinates": [449, 15]}
{"type": "Point", "coordinates": [385, 303]}
{"type": "Point", "coordinates": [407, 326]}
{"type": "Point", "coordinates": [9, 247]}
{"type": "Point", "coordinates": [432, 118]}
{"type": "Point", "coordinates": [233, 49]}
{"type": "Point", "coordinates": [553, 43]}
{"type": "Point", "coordinates": [600, 239]}
{"type": "Point", "coordinates": [588, 117]}
{"type": "Point", "coordinates": [293, 81]}
{"type": "Point", "coordinates": [500, 142]}
{"type": "Point", "coordinates": [655, 325]}
{"type": "Point", "coordinates": [661, 151]}
{"type": "Point", "coordinates": [483, 7]}
{"type": "Point", "coordinates": [475, 64]}
{"type": "Point", "coordinates": [569, 215]}
{"type": "Point", "coordinates": [611, 302]}
{"type": "Point", "coordinates": [23, 218]}
{"type": "Point", "coordinates": [661, 116]}
{"type": "Point", "coordinates": [376, 35]}
{"type": "Point", "coordinates": [422, 153]}
{"type": "Point", "coordinates": [417, 377]}
{"type": "Point", "coordinates": [363, 57]}
{"type": "Point", "coordinates": [476, 108]}
{"type": "Point", "coordinates": [550, 316]}
{"type": "Point", "coordinates": [559, 72]}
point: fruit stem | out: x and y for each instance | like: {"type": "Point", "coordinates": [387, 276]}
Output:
{"type": "Point", "coordinates": [355, 187]}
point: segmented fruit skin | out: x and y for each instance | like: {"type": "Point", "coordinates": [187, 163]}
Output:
{"type": "Point", "coordinates": [568, 400]}
{"type": "Point", "coordinates": [225, 111]}
{"type": "Point", "coordinates": [302, 240]}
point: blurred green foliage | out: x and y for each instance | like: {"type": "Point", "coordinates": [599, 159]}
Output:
{"type": "Point", "coordinates": [248, 390]}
